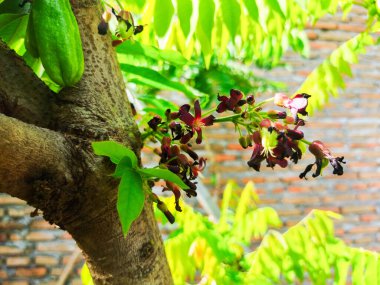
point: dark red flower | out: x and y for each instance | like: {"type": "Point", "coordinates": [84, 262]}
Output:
{"type": "Point", "coordinates": [195, 122]}
{"type": "Point", "coordinates": [231, 103]}
{"type": "Point", "coordinates": [322, 157]}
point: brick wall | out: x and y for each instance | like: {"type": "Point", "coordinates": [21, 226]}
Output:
{"type": "Point", "coordinates": [350, 125]}
{"type": "Point", "coordinates": [34, 252]}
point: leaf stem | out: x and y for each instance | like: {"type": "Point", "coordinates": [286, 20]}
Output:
{"type": "Point", "coordinates": [305, 141]}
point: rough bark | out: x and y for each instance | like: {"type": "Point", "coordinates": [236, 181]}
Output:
{"type": "Point", "coordinates": [54, 169]}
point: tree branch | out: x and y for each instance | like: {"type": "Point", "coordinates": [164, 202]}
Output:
{"type": "Point", "coordinates": [22, 94]}
{"type": "Point", "coordinates": [30, 157]}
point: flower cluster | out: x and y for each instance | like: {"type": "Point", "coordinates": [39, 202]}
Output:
{"type": "Point", "coordinates": [274, 136]}
{"type": "Point", "coordinates": [176, 153]}
{"type": "Point", "coordinates": [275, 143]}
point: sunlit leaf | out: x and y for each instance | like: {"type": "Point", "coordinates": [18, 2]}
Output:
{"type": "Point", "coordinates": [130, 199]}
{"type": "Point", "coordinates": [115, 151]}
{"type": "Point", "coordinates": [163, 174]}
{"type": "Point", "coordinates": [163, 13]}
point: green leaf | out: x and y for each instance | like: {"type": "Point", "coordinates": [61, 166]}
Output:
{"type": "Point", "coordinates": [130, 200]}
{"type": "Point", "coordinates": [231, 15]}
{"type": "Point", "coordinates": [341, 271]}
{"type": "Point", "coordinates": [163, 13]}
{"type": "Point", "coordinates": [154, 79]}
{"type": "Point", "coordinates": [85, 276]}
{"type": "Point", "coordinates": [185, 10]}
{"type": "Point", "coordinates": [371, 269]}
{"type": "Point", "coordinates": [163, 174]}
{"type": "Point", "coordinates": [252, 9]}
{"type": "Point", "coordinates": [205, 27]}
{"type": "Point", "coordinates": [137, 48]}
{"type": "Point", "coordinates": [124, 165]}
{"type": "Point", "coordinates": [115, 151]}
{"type": "Point", "coordinates": [12, 30]}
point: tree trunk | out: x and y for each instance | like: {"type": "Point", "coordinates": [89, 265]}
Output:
{"type": "Point", "coordinates": [46, 157]}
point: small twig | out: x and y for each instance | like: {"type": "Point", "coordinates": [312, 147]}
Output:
{"type": "Point", "coordinates": [69, 266]}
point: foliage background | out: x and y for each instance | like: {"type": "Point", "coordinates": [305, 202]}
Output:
{"type": "Point", "coordinates": [32, 251]}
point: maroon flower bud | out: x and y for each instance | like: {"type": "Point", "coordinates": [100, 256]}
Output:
{"type": "Point", "coordinates": [174, 150]}
{"type": "Point", "coordinates": [242, 102]}
{"type": "Point", "coordinates": [295, 134]}
{"type": "Point", "coordinates": [164, 209]}
{"type": "Point", "coordinates": [167, 114]}
{"type": "Point", "coordinates": [154, 122]}
{"type": "Point", "coordinates": [266, 123]}
{"type": "Point", "coordinates": [183, 160]}
{"type": "Point", "coordinates": [174, 115]}
{"type": "Point", "coordinates": [102, 28]}
{"type": "Point", "coordinates": [138, 29]}
{"type": "Point", "coordinates": [230, 103]}
{"type": "Point", "coordinates": [237, 110]}
{"type": "Point", "coordinates": [276, 114]}
{"type": "Point", "coordinates": [289, 120]}
{"type": "Point", "coordinates": [174, 168]}
{"type": "Point", "coordinates": [245, 141]}
{"type": "Point", "coordinates": [133, 109]}
{"type": "Point", "coordinates": [189, 151]}
{"type": "Point", "coordinates": [251, 100]}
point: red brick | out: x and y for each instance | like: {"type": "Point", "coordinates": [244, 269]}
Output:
{"type": "Point", "coordinates": [312, 35]}
{"type": "Point", "coordinates": [41, 224]}
{"type": "Point", "coordinates": [369, 217]}
{"type": "Point", "coordinates": [338, 197]}
{"type": "Point", "coordinates": [366, 175]}
{"type": "Point", "coordinates": [324, 208]}
{"type": "Point", "coordinates": [300, 200]}
{"type": "Point", "coordinates": [339, 232]}
{"type": "Point", "coordinates": [235, 146]}
{"type": "Point", "coordinates": [17, 212]}
{"type": "Point", "coordinates": [278, 190]}
{"type": "Point", "coordinates": [368, 196]}
{"type": "Point", "coordinates": [40, 236]}
{"type": "Point", "coordinates": [351, 28]}
{"type": "Point", "coordinates": [3, 237]}
{"type": "Point", "coordinates": [15, 237]}
{"type": "Point", "coordinates": [358, 209]}
{"type": "Point", "coordinates": [56, 271]}
{"type": "Point", "coordinates": [17, 261]}
{"type": "Point", "coordinates": [224, 157]}
{"type": "Point", "coordinates": [16, 283]}
{"type": "Point", "coordinates": [298, 189]}
{"type": "Point", "coordinates": [360, 186]}
{"type": "Point", "coordinates": [55, 247]}
{"type": "Point", "coordinates": [291, 212]}
{"type": "Point", "coordinates": [11, 225]}
{"type": "Point", "coordinates": [341, 187]}
{"type": "Point", "coordinates": [3, 274]}
{"type": "Point", "coordinates": [9, 250]}
{"type": "Point", "coordinates": [326, 25]}
{"type": "Point", "coordinates": [66, 235]}
{"type": "Point", "coordinates": [364, 229]}
{"type": "Point", "coordinates": [8, 200]}
{"type": "Point", "coordinates": [323, 45]}
{"type": "Point", "coordinates": [31, 272]}
{"type": "Point", "coordinates": [46, 260]}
